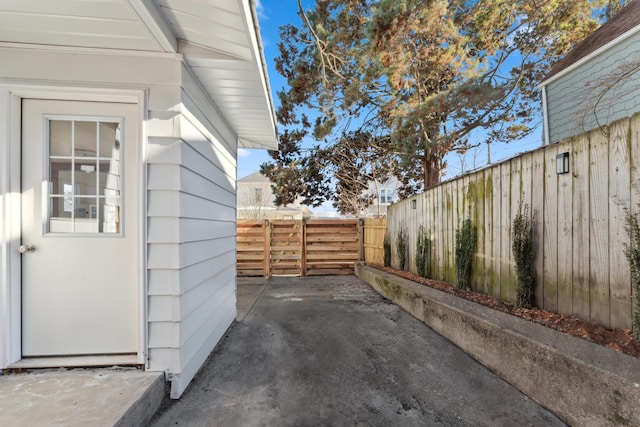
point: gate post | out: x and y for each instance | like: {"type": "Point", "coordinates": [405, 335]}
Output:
{"type": "Point", "coordinates": [266, 259]}
{"type": "Point", "coordinates": [361, 239]}
{"type": "Point", "coordinates": [303, 249]}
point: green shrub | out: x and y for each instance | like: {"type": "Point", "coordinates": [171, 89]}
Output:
{"type": "Point", "coordinates": [466, 237]}
{"type": "Point", "coordinates": [423, 253]}
{"type": "Point", "coordinates": [401, 246]}
{"type": "Point", "coordinates": [632, 252]}
{"type": "Point", "coordinates": [386, 245]}
{"type": "Point", "coordinates": [524, 254]}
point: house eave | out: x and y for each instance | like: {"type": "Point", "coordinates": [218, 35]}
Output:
{"type": "Point", "coordinates": [219, 40]}
{"type": "Point", "coordinates": [150, 15]}
{"type": "Point", "coordinates": [264, 73]}
{"type": "Point", "coordinates": [250, 112]}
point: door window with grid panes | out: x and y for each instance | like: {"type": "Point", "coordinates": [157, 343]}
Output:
{"type": "Point", "coordinates": [84, 176]}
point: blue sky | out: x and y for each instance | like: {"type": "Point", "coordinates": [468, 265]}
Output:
{"type": "Point", "coordinates": [271, 15]}
{"type": "Point", "coordinates": [274, 13]}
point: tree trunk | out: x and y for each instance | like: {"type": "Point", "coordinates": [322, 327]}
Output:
{"type": "Point", "coordinates": [432, 170]}
{"type": "Point", "coordinates": [432, 160]}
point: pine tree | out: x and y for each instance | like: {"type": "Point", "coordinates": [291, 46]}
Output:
{"type": "Point", "coordinates": [428, 76]}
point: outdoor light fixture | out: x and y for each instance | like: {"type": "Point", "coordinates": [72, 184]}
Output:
{"type": "Point", "coordinates": [413, 204]}
{"type": "Point", "coordinates": [562, 163]}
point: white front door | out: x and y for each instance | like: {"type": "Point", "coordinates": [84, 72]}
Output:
{"type": "Point", "coordinates": [79, 228]}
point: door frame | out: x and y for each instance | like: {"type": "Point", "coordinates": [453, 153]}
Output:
{"type": "Point", "coordinates": [11, 96]}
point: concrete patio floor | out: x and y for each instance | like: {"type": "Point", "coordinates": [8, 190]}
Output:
{"type": "Point", "coordinates": [330, 351]}
{"type": "Point", "coordinates": [303, 351]}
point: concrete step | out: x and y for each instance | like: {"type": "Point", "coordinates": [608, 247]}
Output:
{"type": "Point", "coordinates": [80, 397]}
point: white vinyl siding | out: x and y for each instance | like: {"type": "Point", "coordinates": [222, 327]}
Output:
{"type": "Point", "coordinates": [106, 24]}
{"type": "Point", "coordinates": [191, 231]}
{"type": "Point", "coordinates": [195, 71]}
{"type": "Point", "coordinates": [190, 196]}
{"type": "Point", "coordinates": [570, 96]}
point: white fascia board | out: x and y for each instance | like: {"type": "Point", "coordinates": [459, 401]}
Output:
{"type": "Point", "coordinates": [151, 16]}
{"type": "Point", "coordinates": [252, 144]}
{"type": "Point", "coordinates": [253, 28]}
{"type": "Point", "coordinates": [592, 55]}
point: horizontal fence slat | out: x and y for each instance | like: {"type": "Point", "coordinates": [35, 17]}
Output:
{"type": "Point", "coordinates": [331, 239]}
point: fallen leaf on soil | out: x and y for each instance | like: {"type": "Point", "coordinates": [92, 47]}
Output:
{"type": "Point", "coordinates": [617, 339]}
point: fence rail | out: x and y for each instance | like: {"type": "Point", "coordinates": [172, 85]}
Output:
{"type": "Point", "coordinates": [298, 248]}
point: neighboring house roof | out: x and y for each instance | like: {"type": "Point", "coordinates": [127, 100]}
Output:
{"type": "Point", "coordinates": [257, 178]}
{"type": "Point", "coordinates": [254, 177]}
{"type": "Point", "coordinates": [623, 23]}
{"type": "Point", "coordinates": [219, 39]}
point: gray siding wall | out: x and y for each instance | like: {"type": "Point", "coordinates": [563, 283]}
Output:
{"type": "Point", "coordinates": [579, 101]}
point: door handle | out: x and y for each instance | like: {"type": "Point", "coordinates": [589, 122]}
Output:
{"type": "Point", "coordinates": [27, 249]}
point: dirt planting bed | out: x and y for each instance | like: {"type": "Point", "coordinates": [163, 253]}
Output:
{"type": "Point", "coordinates": [617, 339]}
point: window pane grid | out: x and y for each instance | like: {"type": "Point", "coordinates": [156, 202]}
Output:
{"type": "Point", "coordinates": [84, 176]}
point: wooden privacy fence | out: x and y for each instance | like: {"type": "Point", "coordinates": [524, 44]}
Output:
{"type": "Point", "coordinates": [581, 268]}
{"type": "Point", "coordinates": [298, 248]}
{"type": "Point", "coordinates": [374, 231]}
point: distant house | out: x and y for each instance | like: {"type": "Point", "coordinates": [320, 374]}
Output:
{"type": "Point", "coordinates": [120, 125]}
{"type": "Point", "coordinates": [257, 201]}
{"type": "Point", "coordinates": [597, 82]}
{"type": "Point", "coordinates": [384, 194]}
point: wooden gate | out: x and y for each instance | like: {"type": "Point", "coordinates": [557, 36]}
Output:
{"type": "Point", "coordinates": [298, 248]}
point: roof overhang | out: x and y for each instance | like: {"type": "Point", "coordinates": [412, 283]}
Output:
{"type": "Point", "coordinates": [615, 30]}
{"type": "Point", "coordinates": [588, 57]}
{"type": "Point", "coordinates": [219, 40]}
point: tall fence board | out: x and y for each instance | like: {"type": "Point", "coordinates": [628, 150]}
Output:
{"type": "Point", "coordinates": [298, 248]}
{"type": "Point", "coordinates": [579, 219]}
{"type": "Point", "coordinates": [580, 228]}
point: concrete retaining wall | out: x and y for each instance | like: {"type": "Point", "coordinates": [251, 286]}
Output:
{"type": "Point", "coordinates": [581, 382]}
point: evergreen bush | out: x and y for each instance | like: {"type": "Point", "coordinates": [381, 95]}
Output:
{"type": "Point", "coordinates": [632, 252]}
{"type": "Point", "coordinates": [466, 237]}
{"type": "Point", "coordinates": [423, 253]}
{"type": "Point", "coordinates": [401, 247]}
{"type": "Point", "coordinates": [386, 246]}
{"type": "Point", "coordinates": [524, 254]}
